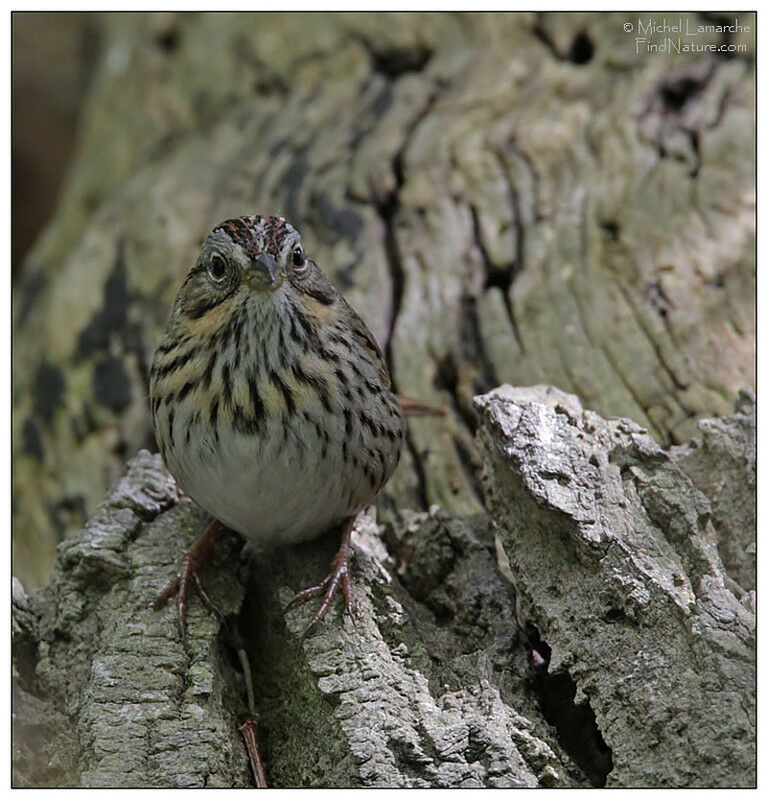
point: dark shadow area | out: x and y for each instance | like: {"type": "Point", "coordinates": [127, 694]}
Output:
{"type": "Point", "coordinates": [575, 723]}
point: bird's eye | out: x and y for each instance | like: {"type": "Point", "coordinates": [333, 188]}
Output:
{"type": "Point", "coordinates": [297, 257]}
{"type": "Point", "coordinates": [217, 269]}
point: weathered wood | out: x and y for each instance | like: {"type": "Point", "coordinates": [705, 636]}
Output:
{"type": "Point", "coordinates": [505, 198]}
{"type": "Point", "coordinates": [428, 688]}
{"type": "Point", "coordinates": [142, 709]}
{"type": "Point", "coordinates": [636, 666]}
{"type": "Point", "coordinates": [514, 198]}
{"type": "Point", "coordinates": [721, 463]}
{"type": "Point", "coordinates": [614, 548]}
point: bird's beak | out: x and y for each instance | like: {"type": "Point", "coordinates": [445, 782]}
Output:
{"type": "Point", "coordinates": [264, 272]}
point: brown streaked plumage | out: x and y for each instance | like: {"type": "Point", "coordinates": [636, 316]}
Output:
{"type": "Point", "coordinates": [271, 400]}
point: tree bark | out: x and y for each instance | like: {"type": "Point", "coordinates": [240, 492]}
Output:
{"type": "Point", "coordinates": [504, 198]}
{"type": "Point", "coordinates": [615, 549]}
{"type": "Point", "coordinates": [517, 199]}
{"type": "Point", "coordinates": [623, 655]}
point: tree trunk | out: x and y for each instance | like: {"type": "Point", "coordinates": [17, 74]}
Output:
{"type": "Point", "coordinates": [632, 663]}
{"type": "Point", "coordinates": [504, 198]}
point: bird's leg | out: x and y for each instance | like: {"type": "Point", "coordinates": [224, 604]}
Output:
{"type": "Point", "coordinates": [189, 572]}
{"type": "Point", "coordinates": [338, 576]}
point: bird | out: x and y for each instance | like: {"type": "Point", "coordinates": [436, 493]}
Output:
{"type": "Point", "coordinates": [271, 401]}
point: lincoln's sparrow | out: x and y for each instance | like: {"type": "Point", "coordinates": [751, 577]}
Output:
{"type": "Point", "coordinates": [271, 400]}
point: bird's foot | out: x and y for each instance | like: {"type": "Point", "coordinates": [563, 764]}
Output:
{"type": "Point", "coordinates": [338, 576]}
{"type": "Point", "coordinates": [189, 576]}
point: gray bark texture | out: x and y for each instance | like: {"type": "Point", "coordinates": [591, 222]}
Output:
{"type": "Point", "coordinates": [513, 198]}
{"type": "Point", "coordinates": [507, 200]}
{"type": "Point", "coordinates": [616, 551]}
{"type": "Point", "coordinates": [583, 632]}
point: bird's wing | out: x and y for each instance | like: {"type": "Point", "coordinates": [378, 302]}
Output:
{"type": "Point", "coordinates": [365, 338]}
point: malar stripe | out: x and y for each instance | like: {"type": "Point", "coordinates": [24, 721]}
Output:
{"type": "Point", "coordinates": [234, 328]}
{"type": "Point", "coordinates": [236, 360]}
{"type": "Point", "coordinates": [203, 307]}
{"type": "Point", "coordinates": [208, 303]}
{"type": "Point", "coordinates": [294, 331]}
{"type": "Point", "coordinates": [301, 318]}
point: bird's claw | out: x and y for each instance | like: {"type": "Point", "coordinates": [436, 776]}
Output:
{"type": "Point", "coordinates": [188, 577]}
{"type": "Point", "coordinates": [338, 576]}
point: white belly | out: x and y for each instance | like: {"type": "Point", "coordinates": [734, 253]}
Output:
{"type": "Point", "coordinates": [275, 487]}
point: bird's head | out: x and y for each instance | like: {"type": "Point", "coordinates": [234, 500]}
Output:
{"type": "Point", "coordinates": [251, 259]}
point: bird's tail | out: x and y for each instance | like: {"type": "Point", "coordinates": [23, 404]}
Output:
{"type": "Point", "coordinates": [414, 408]}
